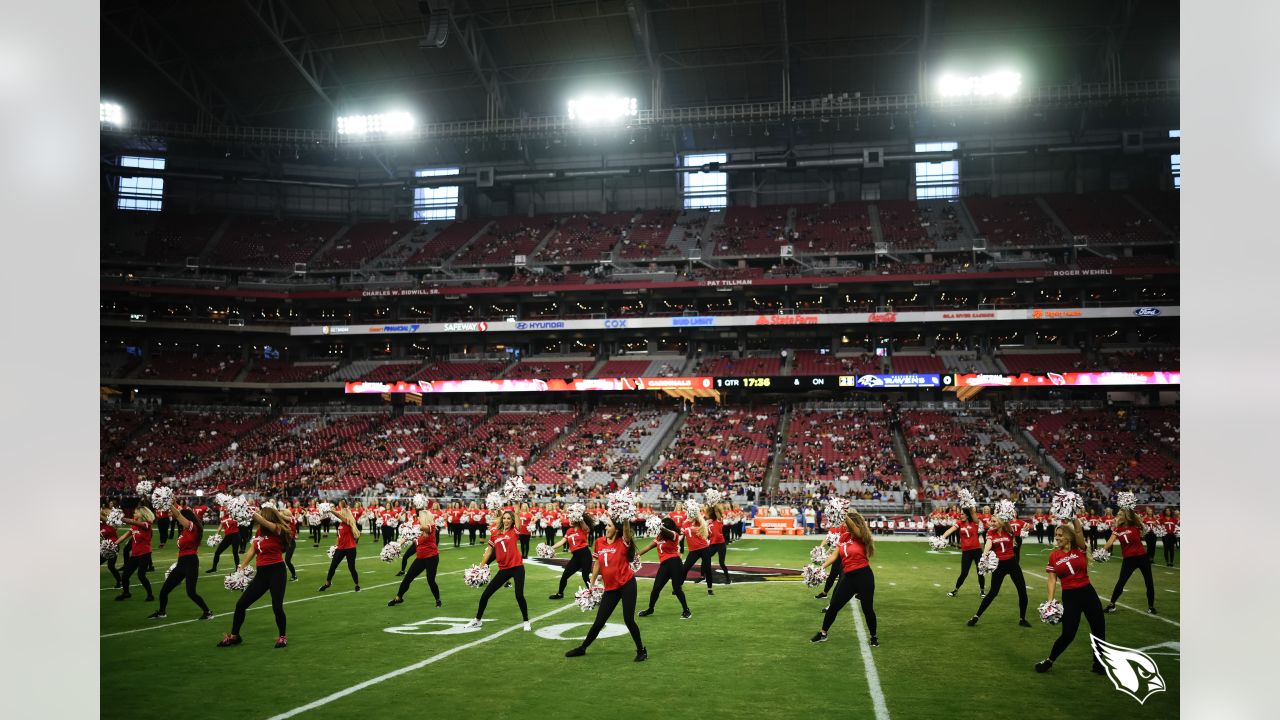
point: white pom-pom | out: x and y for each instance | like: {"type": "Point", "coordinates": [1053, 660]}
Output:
{"type": "Point", "coordinates": [1065, 505]}
{"type": "Point", "coordinates": [238, 508]}
{"type": "Point", "coordinates": [1100, 555]}
{"type": "Point", "coordinates": [833, 539]}
{"type": "Point", "coordinates": [269, 504]}
{"type": "Point", "coordinates": [692, 508]}
{"type": "Point", "coordinates": [1126, 500]}
{"type": "Point", "coordinates": [393, 522]}
{"type": "Point", "coordinates": [1026, 531]}
{"type": "Point", "coordinates": [637, 564]}
{"type": "Point", "coordinates": [115, 518]}
{"type": "Point", "coordinates": [409, 531]}
{"type": "Point", "coordinates": [545, 551]}
{"type": "Point", "coordinates": [814, 575]}
{"type": "Point", "coordinates": [937, 543]}
{"type": "Point", "coordinates": [144, 488]}
{"type": "Point", "coordinates": [987, 563]}
{"type": "Point", "coordinates": [324, 508]}
{"type": "Point", "coordinates": [1005, 510]}
{"type": "Point", "coordinates": [213, 540]}
{"type": "Point", "coordinates": [476, 576]}
{"type": "Point", "coordinates": [515, 490]}
{"type": "Point", "coordinates": [239, 580]}
{"type": "Point", "coordinates": [836, 509]}
{"type": "Point", "coordinates": [1158, 529]}
{"type": "Point", "coordinates": [588, 598]}
{"type": "Point", "coordinates": [170, 570]}
{"type": "Point", "coordinates": [107, 549]}
{"type": "Point", "coordinates": [713, 496]}
{"type": "Point", "coordinates": [653, 525]}
{"type": "Point", "coordinates": [1050, 612]}
{"type": "Point", "coordinates": [162, 499]}
{"type": "Point", "coordinates": [390, 552]}
{"type": "Point", "coordinates": [313, 519]}
{"type": "Point", "coordinates": [420, 502]}
{"type": "Point", "coordinates": [622, 505]}
{"type": "Point", "coordinates": [222, 498]}
{"type": "Point", "coordinates": [493, 501]}
{"type": "Point", "coordinates": [575, 513]}
{"type": "Point", "coordinates": [441, 523]}
{"type": "Point", "coordinates": [818, 554]}
{"type": "Point", "coordinates": [1177, 532]}
{"type": "Point", "coordinates": [333, 550]}
{"type": "Point", "coordinates": [966, 499]}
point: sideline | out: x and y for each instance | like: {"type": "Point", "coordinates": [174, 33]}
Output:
{"type": "Point", "coordinates": [868, 662]}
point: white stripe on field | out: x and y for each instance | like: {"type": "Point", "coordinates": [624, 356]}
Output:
{"type": "Point", "coordinates": [259, 607]}
{"type": "Point", "coordinates": [1162, 618]}
{"type": "Point", "coordinates": [410, 668]}
{"type": "Point", "coordinates": [868, 662]}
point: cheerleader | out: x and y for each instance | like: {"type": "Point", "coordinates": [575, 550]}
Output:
{"type": "Point", "coordinates": [1091, 522]}
{"type": "Point", "coordinates": [139, 560]}
{"type": "Point", "coordinates": [854, 549]}
{"type": "Point", "coordinates": [230, 539]}
{"type": "Point", "coordinates": [348, 532]}
{"type": "Point", "coordinates": [503, 545]}
{"type": "Point", "coordinates": [669, 569]}
{"type": "Point", "coordinates": [1169, 519]}
{"type": "Point", "coordinates": [984, 522]}
{"type": "Point", "coordinates": [427, 552]}
{"type": "Point", "coordinates": [1128, 531]}
{"type": "Point", "coordinates": [580, 556]}
{"type": "Point", "coordinates": [696, 534]}
{"type": "Point", "coordinates": [486, 518]}
{"type": "Point", "coordinates": [370, 516]}
{"type": "Point", "coordinates": [268, 549]}
{"type": "Point", "coordinates": [242, 536]}
{"type": "Point", "coordinates": [109, 533]}
{"type": "Point", "coordinates": [970, 550]}
{"type": "Point", "coordinates": [550, 521]}
{"type": "Point", "coordinates": [324, 523]}
{"type": "Point", "coordinates": [999, 537]}
{"type": "Point", "coordinates": [523, 517]}
{"type": "Point", "coordinates": [1149, 521]}
{"type": "Point", "coordinates": [954, 516]}
{"type": "Point", "coordinates": [188, 567]}
{"type": "Point", "coordinates": [715, 524]}
{"type": "Point", "coordinates": [1041, 522]}
{"type": "Point", "coordinates": [389, 518]}
{"type": "Point", "coordinates": [453, 518]}
{"type": "Point", "coordinates": [1069, 564]}
{"type": "Point", "coordinates": [836, 571]}
{"type": "Point", "coordinates": [597, 529]}
{"type": "Point", "coordinates": [1017, 528]}
{"type": "Point", "coordinates": [613, 555]}
{"type": "Point", "coordinates": [314, 529]}
{"type": "Point", "coordinates": [472, 523]}
{"type": "Point", "coordinates": [162, 523]}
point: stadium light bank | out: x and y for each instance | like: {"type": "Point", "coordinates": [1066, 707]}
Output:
{"type": "Point", "coordinates": [110, 113]}
{"type": "Point", "coordinates": [593, 110]}
{"type": "Point", "coordinates": [389, 123]}
{"type": "Point", "coordinates": [1003, 84]}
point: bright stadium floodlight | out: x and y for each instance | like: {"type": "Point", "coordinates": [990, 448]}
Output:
{"type": "Point", "coordinates": [590, 110]}
{"type": "Point", "coordinates": [997, 84]}
{"type": "Point", "coordinates": [110, 114]}
{"type": "Point", "coordinates": [392, 123]}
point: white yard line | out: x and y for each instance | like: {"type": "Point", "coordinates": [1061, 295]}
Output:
{"type": "Point", "coordinates": [410, 668]}
{"type": "Point", "coordinates": [868, 662]}
{"type": "Point", "coordinates": [259, 607]}
{"type": "Point", "coordinates": [1161, 618]}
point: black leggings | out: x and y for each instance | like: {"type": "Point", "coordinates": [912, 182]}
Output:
{"type": "Point", "coordinates": [524, 546]}
{"type": "Point", "coordinates": [231, 540]}
{"type": "Point", "coordinates": [627, 594]}
{"type": "Point", "coordinates": [140, 563]}
{"type": "Point", "coordinates": [719, 550]}
{"type": "Point", "coordinates": [111, 566]}
{"type": "Point", "coordinates": [288, 558]}
{"type": "Point", "coordinates": [188, 569]}
{"type": "Point", "coordinates": [860, 583]}
{"type": "Point", "coordinates": [244, 538]}
{"type": "Point", "coordinates": [456, 530]}
{"type": "Point", "coordinates": [694, 555]}
{"type": "Point", "coordinates": [1170, 548]}
{"type": "Point", "coordinates": [516, 575]}
{"type": "Point", "coordinates": [338, 555]}
{"type": "Point", "coordinates": [1011, 568]}
{"type": "Point", "coordinates": [1141, 564]}
{"type": "Point", "coordinates": [419, 566]}
{"type": "Point", "coordinates": [1151, 546]}
{"type": "Point", "coordinates": [551, 535]}
{"type": "Point", "coordinates": [967, 558]}
{"type": "Point", "coordinates": [269, 577]}
{"type": "Point", "coordinates": [315, 535]}
{"type": "Point", "coordinates": [1077, 602]}
{"type": "Point", "coordinates": [411, 550]}
{"type": "Point", "coordinates": [164, 524]}
{"type": "Point", "coordinates": [388, 534]}
{"type": "Point", "coordinates": [832, 577]}
{"type": "Point", "coordinates": [471, 533]}
{"type": "Point", "coordinates": [579, 562]}
{"type": "Point", "coordinates": [669, 569]}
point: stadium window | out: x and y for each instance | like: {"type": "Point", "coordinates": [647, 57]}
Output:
{"type": "Point", "coordinates": [705, 190]}
{"type": "Point", "coordinates": [1175, 162]}
{"type": "Point", "coordinates": [140, 193]}
{"type": "Point", "coordinates": [937, 180]}
{"type": "Point", "coordinates": [435, 203]}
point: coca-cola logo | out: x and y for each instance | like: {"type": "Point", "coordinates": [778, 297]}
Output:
{"type": "Point", "coordinates": [883, 317]}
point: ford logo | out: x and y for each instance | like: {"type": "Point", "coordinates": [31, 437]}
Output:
{"type": "Point", "coordinates": [1146, 311]}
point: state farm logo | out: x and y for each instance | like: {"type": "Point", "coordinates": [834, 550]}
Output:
{"type": "Point", "coordinates": [1052, 314]}
{"type": "Point", "coordinates": [886, 317]}
{"type": "Point", "coordinates": [466, 327]}
{"type": "Point", "coordinates": [787, 320]}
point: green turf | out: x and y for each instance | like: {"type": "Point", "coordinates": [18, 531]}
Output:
{"type": "Point", "coordinates": [746, 652]}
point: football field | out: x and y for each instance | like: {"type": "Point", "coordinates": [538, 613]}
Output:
{"type": "Point", "coordinates": [745, 652]}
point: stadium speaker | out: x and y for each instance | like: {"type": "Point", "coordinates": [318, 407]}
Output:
{"type": "Point", "coordinates": [873, 157]}
{"type": "Point", "coordinates": [1131, 140]}
{"type": "Point", "coordinates": [437, 25]}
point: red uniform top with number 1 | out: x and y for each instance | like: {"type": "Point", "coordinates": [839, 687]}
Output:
{"type": "Point", "coordinates": [506, 548]}
{"type": "Point", "coordinates": [853, 554]}
{"type": "Point", "coordinates": [188, 541]}
{"type": "Point", "coordinates": [270, 549]}
{"type": "Point", "coordinates": [1130, 539]}
{"type": "Point", "coordinates": [427, 544]}
{"type": "Point", "coordinates": [346, 539]}
{"type": "Point", "coordinates": [716, 534]}
{"type": "Point", "coordinates": [1071, 567]}
{"type": "Point", "coordinates": [1001, 543]}
{"type": "Point", "coordinates": [667, 547]}
{"type": "Point", "coordinates": [141, 537]}
{"type": "Point", "coordinates": [615, 568]}
{"type": "Point", "coordinates": [576, 538]}
{"type": "Point", "coordinates": [691, 537]}
{"type": "Point", "coordinates": [968, 532]}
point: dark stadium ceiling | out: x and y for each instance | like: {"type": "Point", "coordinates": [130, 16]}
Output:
{"type": "Point", "coordinates": [297, 64]}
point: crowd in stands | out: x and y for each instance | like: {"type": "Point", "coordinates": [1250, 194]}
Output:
{"type": "Point", "coordinates": [506, 238]}
{"type": "Point", "coordinates": [1012, 221]}
{"type": "Point", "coordinates": [751, 231]}
{"type": "Point", "coordinates": [585, 237]}
{"type": "Point", "coordinates": [360, 243]}
{"type": "Point", "coordinates": [1104, 218]}
{"type": "Point", "coordinates": [721, 446]}
{"type": "Point", "coordinates": [972, 452]}
{"type": "Point", "coordinates": [649, 234]}
{"type": "Point", "coordinates": [841, 227]}
{"type": "Point", "coordinates": [849, 452]}
{"type": "Point", "coordinates": [270, 243]}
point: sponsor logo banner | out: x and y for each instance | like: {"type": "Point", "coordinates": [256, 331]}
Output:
{"type": "Point", "coordinates": [523, 385]}
{"type": "Point", "coordinates": [1147, 312]}
{"type": "Point", "coordinates": [394, 328]}
{"type": "Point", "coordinates": [926, 380]}
{"type": "Point", "coordinates": [701, 321]}
{"type": "Point", "coordinates": [1070, 379]}
{"type": "Point", "coordinates": [787, 320]}
{"type": "Point", "coordinates": [541, 325]}
{"type": "Point", "coordinates": [885, 317]}
{"type": "Point", "coordinates": [1039, 314]}
{"type": "Point", "coordinates": [466, 327]}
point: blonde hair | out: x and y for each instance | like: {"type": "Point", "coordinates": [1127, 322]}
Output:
{"type": "Point", "coordinates": [858, 528]}
{"type": "Point", "coordinates": [144, 514]}
{"type": "Point", "coordinates": [1074, 535]}
{"type": "Point", "coordinates": [1127, 517]}
{"type": "Point", "coordinates": [701, 524]}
